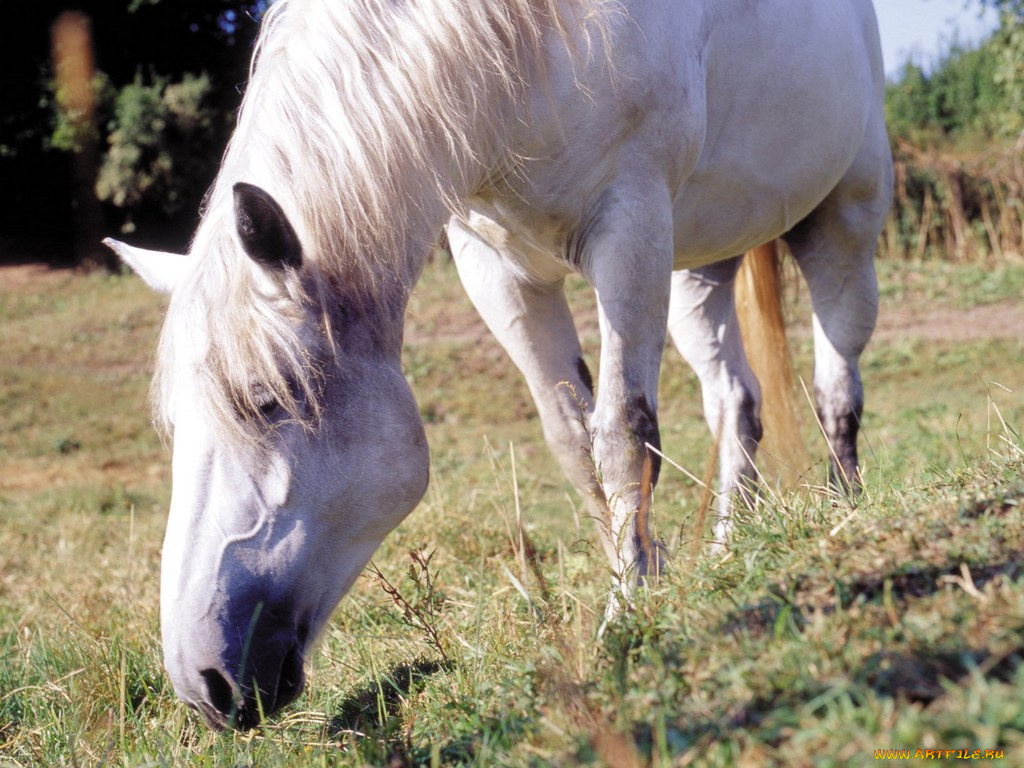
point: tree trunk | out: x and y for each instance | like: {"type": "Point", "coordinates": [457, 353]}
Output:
{"type": "Point", "coordinates": [74, 65]}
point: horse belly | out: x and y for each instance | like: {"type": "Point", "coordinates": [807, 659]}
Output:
{"type": "Point", "coordinates": [749, 128]}
{"type": "Point", "coordinates": [785, 121]}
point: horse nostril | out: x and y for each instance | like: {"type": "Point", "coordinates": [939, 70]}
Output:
{"type": "Point", "coordinates": [292, 678]}
{"type": "Point", "coordinates": [219, 691]}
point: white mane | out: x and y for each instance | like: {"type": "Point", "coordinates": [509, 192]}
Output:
{"type": "Point", "coordinates": [365, 119]}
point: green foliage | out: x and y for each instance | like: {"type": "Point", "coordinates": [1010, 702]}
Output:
{"type": "Point", "coordinates": [908, 103]}
{"type": "Point", "coordinates": [971, 93]}
{"type": "Point", "coordinates": [1012, 7]}
{"type": "Point", "coordinates": [1009, 73]}
{"type": "Point", "coordinates": [72, 130]}
{"type": "Point", "coordinates": [954, 130]}
{"type": "Point", "coordinates": [161, 144]}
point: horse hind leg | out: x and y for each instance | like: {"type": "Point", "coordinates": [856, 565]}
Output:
{"type": "Point", "coordinates": [834, 248]}
{"type": "Point", "coordinates": [705, 330]}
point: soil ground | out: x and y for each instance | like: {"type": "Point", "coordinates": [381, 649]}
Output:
{"type": "Point", "coordinates": [999, 320]}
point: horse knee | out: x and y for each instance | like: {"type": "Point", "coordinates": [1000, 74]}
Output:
{"type": "Point", "coordinates": [620, 443]}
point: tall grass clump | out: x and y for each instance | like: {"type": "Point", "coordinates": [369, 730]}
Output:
{"type": "Point", "coordinates": [956, 204]}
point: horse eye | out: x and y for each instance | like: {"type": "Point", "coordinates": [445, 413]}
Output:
{"type": "Point", "coordinates": [268, 406]}
{"type": "Point", "coordinates": [266, 403]}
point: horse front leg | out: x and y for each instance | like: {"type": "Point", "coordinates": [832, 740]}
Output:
{"type": "Point", "coordinates": [627, 255]}
{"type": "Point", "coordinates": [705, 329]}
{"type": "Point", "coordinates": [531, 320]}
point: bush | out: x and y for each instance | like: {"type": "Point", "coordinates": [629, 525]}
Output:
{"type": "Point", "coordinates": [972, 94]}
{"type": "Point", "coordinates": [956, 205]}
{"type": "Point", "coordinates": [163, 146]}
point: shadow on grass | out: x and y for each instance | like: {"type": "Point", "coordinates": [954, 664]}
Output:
{"type": "Point", "coordinates": [373, 718]}
{"type": "Point", "coordinates": [908, 672]}
{"type": "Point", "coordinates": [373, 707]}
{"type": "Point", "coordinates": [922, 677]}
{"type": "Point", "coordinates": [903, 585]}
{"type": "Point", "coordinates": [772, 719]}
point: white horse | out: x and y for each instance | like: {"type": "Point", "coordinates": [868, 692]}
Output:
{"type": "Point", "coordinates": [643, 144]}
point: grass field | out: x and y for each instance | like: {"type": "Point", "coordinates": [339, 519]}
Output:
{"type": "Point", "coordinates": [829, 631]}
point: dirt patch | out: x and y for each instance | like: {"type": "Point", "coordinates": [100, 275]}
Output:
{"type": "Point", "coordinates": [31, 278]}
{"type": "Point", "coordinates": [459, 322]}
{"type": "Point", "coordinates": [1003, 320]}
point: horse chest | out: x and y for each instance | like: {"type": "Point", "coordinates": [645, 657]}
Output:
{"type": "Point", "coordinates": [533, 239]}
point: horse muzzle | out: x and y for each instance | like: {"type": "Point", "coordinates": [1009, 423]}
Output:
{"type": "Point", "coordinates": [255, 669]}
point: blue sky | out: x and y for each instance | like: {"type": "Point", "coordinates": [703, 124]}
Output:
{"type": "Point", "coordinates": [923, 29]}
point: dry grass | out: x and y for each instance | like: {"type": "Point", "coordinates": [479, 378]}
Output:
{"type": "Point", "coordinates": [831, 630]}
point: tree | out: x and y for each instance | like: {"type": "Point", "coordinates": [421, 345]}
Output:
{"type": "Point", "coordinates": [185, 59]}
{"type": "Point", "coordinates": [1013, 7]}
{"type": "Point", "coordinates": [973, 93]}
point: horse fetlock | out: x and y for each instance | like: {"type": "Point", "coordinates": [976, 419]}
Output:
{"type": "Point", "coordinates": [635, 555]}
{"type": "Point", "coordinates": [844, 466]}
{"type": "Point", "coordinates": [840, 420]}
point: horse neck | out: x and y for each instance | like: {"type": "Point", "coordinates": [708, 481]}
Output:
{"type": "Point", "coordinates": [369, 153]}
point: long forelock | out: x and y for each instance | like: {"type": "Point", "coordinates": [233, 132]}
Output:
{"type": "Point", "coordinates": [241, 344]}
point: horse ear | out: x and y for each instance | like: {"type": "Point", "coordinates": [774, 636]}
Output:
{"type": "Point", "coordinates": [266, 234]}
{"type": "Point", "coordinates": [160, 270]}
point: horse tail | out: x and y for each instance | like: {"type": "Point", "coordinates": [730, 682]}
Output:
{"type": "Point", "coordinates": [762, 326]}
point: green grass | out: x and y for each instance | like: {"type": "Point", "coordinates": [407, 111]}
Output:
{"type": "Point", "coordinates": [947, 284]}
{"type": "Point", "coordinates": [829, 631]}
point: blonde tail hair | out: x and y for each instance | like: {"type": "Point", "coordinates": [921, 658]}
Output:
{"type": "Point", "coordinates": [762, 326]}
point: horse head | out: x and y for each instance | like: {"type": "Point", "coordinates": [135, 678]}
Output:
{"type": "Point", "coordinates": [297, 446]}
